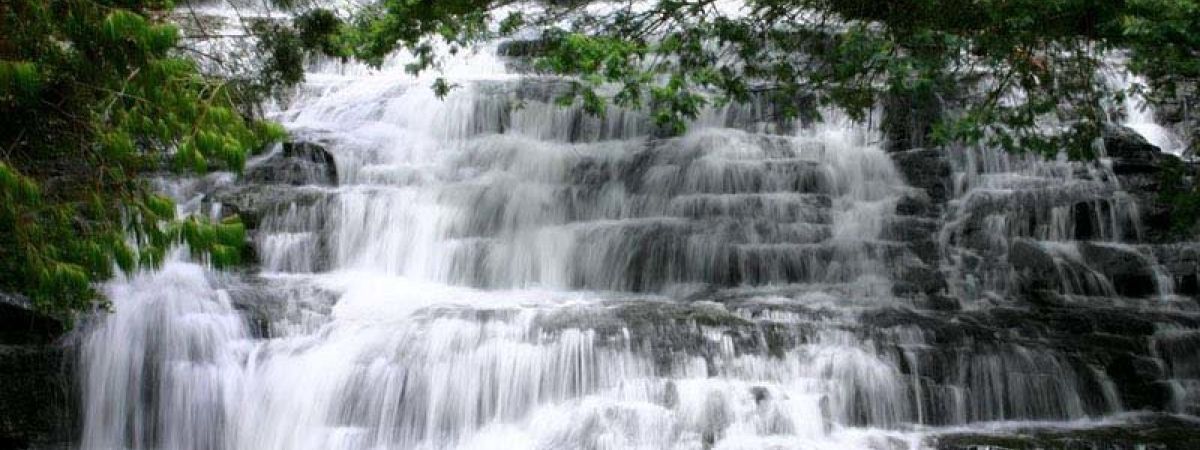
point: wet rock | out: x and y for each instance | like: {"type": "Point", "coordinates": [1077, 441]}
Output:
{"type": "Point", "coordinates": [34, 383]}
{"type": "Point", "coordinates": [1178, 350]}
{"type": "Point", "coordinates": [887, 443]}
{"type": "Point", "coordinates": [915, 204]}
{"type": "Point", "coordinates": [1179, 259]}
{"type": "Point", "coordinates": [1137, 162]}
{"type": "Point", "coordinates": [674, 331]}
{"type": "Point", "coordinates": [910, 229]}
{"type": "Point", "coordinates": [779, 339]}
{"type": "Point", "coordinates": [253, 202]}
{"type": "Point", "coordinates": [1138, 381]}
{"type": "Point", "coordinates": [715, 418]}
{"type": "Point", "coordinates": [761, 394]}
{"type": "Point", "coordinates": [1121, 322]}
{"type": "Point", "coordinates": [1188, 284]}
{"type": "Point", "coordinates": [1156, 432]}
{"type": "Point", "coordinates": [1033, 265]}
{"type": "Point", "coordinates": [919, 279]}
{"type": "Point", "coordinates": [1084, 216]}
{"type": "Point", "coordinates": [670, 397]}
{"type": "Point", "coordinates": [939, 302]}
{"type": "Point", "coordinates": [926, 169]}
{"type": "Point", "coordinates": [1129, 271]}
{"type": "Point", "coordinates": [937, 328]}
{"type": "Point", "coordinates": [1126, 144]}
{"type": "Point", "coordinates": [297, 163]}
{"type": "Point", "coordinates": [919, 234]}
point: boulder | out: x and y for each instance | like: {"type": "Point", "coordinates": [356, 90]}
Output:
{"type": "Point", "coordinates": [1121, 142]}
{"type": "Point", "coordinates": [1133, 156]}
{"type": "Point", "coordinates": [522, 48]}
{"type": "Point", "coordinates": [253, 202]}
{"type": "Point", "coordinates": [297, 163]}
{"type": "Point", "coordinates": [1131, 272]}
{"type": "Point", "coordinates": [1035, 267]}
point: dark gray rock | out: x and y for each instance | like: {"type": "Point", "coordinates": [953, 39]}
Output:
{"type": "Point", "coordinates": [35, 401]}
{"type": "Point", "coordinates": [1152, 432]}
{"type": "Point", "coordinates": [1135, 160]}
{"type": "Point", "coordinates": [522, 48]}
{"type": "Point", "coordinates": [1130, 271]}
{"type": "Point", "coordinates": [253, 202]}
{"type": "Point", "coordinates": [1139, 388]}
{"type": "Point", "coordinates": [909, 229]}
{"type": "Point", "coordinates": [761, 394]}
{"type": "Point", "coordinates": [1124, 143]}
{"type": "Point", "coordinates": [939, 302]}
{"type": "Point", "coordinates": [927, 169]}
{"type": "Point", "coordinates": [919, 279]}
{"type": "Point", "coordinates": [1034, 266]}
{"type": "Point", "coordinates": [915, 204]}
{"type": "Point", "coordinates": [20, 324]}
{"type": "Point", "coordinates": [297, 163]}
{"type": "Point", "coordinates": [919, 234]}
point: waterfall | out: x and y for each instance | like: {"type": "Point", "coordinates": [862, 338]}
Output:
{"type": "Point", "coordinates": [1140, 116]}
{"type": "Point", "coordinates": [161, 370]}
{"type": "Point", "coordinates": [492, 270]}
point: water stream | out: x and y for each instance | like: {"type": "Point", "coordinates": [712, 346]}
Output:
{"type": "Point", "coordinates": [494, 271]}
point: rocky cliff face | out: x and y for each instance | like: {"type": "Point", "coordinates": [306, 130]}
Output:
{"type": "Point", "coordinates": [1076, 259]}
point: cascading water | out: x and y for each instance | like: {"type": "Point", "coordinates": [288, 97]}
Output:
{"type": "Point", "coordinates": [494, 271]}
{"type": "Point", "coordinates": [1139, 115]}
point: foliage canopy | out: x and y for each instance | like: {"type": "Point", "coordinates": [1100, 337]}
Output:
{"type": "Point", "coordinates": [1026, 73]}
{"type": "Point", "coordinates": [94, 99]}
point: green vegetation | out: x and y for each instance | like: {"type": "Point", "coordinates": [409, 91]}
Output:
{"type": "Point", "coordinates": [95, 96]}
{"type": "Point", "coordinates": [1027, 62]}
{"type": "Point", "coordinates": [1175, 190]}
{"type": "Point", "coordinates": [93, 99]}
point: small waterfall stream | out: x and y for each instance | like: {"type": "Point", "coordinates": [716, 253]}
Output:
{"type": "Point", "coordinates": [492, 270]}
